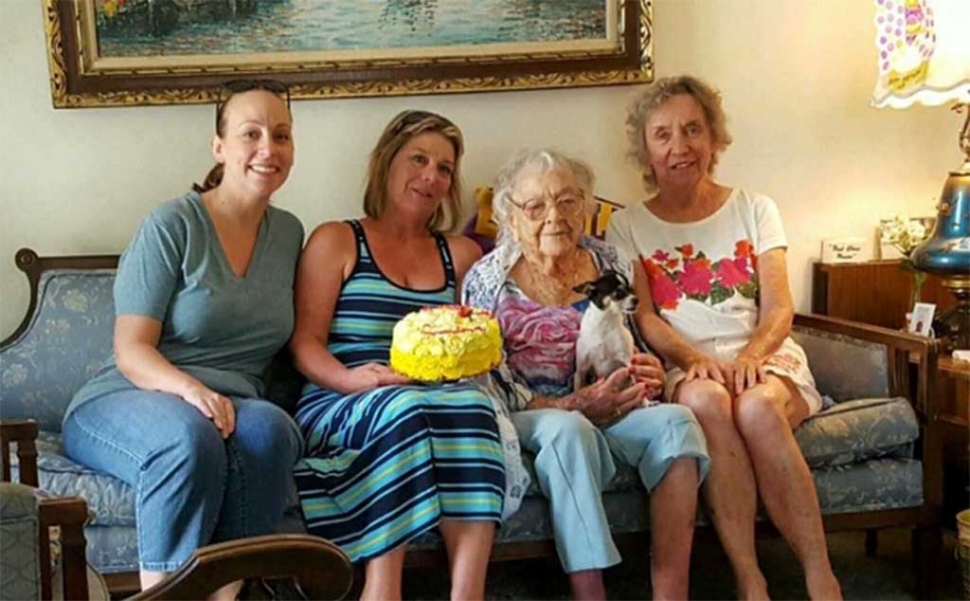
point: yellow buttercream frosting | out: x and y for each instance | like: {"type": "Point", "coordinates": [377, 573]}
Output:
{"type": "Point", "coordinates": [446, 343]}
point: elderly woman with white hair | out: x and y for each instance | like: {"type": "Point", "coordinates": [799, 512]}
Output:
{"type": "Point", "coordinates": [528, 281]}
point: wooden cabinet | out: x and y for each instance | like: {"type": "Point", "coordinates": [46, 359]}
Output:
{"type": "Point", "coordinates": [876, 292]}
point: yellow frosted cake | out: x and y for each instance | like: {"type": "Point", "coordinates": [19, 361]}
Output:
{"type": "Point", "coordinates": [446, 343]}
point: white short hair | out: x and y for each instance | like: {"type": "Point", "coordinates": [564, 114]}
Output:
{"type": "Point", "coordinates": [542, 160]}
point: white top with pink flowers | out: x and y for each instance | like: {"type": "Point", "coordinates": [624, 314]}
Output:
{"type": "Point", "coordinates": [704, 278]}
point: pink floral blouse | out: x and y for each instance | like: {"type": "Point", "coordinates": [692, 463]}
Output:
{"type": "Point", "coordinates": [540, 341]}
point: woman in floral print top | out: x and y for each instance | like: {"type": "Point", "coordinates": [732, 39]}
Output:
{"type": "Point", "coordinates": [712, 259]}
{"type": "Point", "coordinates": [579, 436]}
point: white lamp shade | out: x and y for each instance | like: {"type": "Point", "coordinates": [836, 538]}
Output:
{"type": "Point", "coordinates": [923, 51]}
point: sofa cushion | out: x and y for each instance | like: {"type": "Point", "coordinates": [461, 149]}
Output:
{"type": "Point", "coordinates": [850, 432]}
{"type": "Point", "coordinates": [874, 485]}
{"type": "Point", "coordinates": [859, 430]}
{"type": "Point", "coordinates": [111, 502]}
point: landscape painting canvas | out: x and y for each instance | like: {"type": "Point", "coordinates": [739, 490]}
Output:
{"type": "Point", "coordinates": [160, 32]}
{"type": "Point", "coordinates": [162, 51]}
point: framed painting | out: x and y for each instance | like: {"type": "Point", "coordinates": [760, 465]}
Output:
{"type": "Point", "coordinates": [140, 52]}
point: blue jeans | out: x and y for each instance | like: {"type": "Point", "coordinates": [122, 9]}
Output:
{"type": "Point", "coordinates": [575, 462]}
{"type": "Point", "coordinates": [192, 487]}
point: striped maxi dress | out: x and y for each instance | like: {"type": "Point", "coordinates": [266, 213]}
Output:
{"type": "Point", "coordinates": [384, 466]}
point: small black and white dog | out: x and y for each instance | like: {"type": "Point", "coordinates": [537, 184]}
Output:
{"type": "Point", "coordinates": [604, 344]}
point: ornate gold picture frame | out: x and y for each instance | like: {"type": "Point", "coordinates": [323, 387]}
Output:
{"type": "Point", "coordinates": [88, 70]}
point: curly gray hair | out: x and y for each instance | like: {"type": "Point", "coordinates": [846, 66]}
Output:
{"type": "Point", "coordinates": [658, 93]}
{"type": "Point", "coordinates": [542, 161]}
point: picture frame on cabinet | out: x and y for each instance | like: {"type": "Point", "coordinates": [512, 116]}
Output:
{"type": "Point", "coordinates": [921, 319]}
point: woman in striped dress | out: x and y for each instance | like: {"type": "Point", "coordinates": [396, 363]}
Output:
{"type": "Point", "coordinates": [388, 459]}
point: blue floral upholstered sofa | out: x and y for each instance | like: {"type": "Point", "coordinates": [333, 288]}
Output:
{"type": "Point", "coordinates": [875, 453]}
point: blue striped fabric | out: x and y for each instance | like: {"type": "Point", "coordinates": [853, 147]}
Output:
{"type": "Point", "coordinates": [386, 465]}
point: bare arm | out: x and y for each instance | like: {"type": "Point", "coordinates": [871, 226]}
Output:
{"type": "Point", "coordinates": [776, 311]}
{"type": "Point", "coordinates": [136, 354]}
{"type": "Point", "coordinates": [775, 314]}
{"type": "Point", "coordinates": [325, 264]}
{"type": "Point", "coordinates": [464, 253]}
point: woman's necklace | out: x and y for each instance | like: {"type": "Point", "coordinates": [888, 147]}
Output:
{"type": "Point", "coordinates": [554, 289]}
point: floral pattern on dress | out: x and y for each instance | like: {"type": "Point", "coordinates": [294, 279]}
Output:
{"type": "Point", "coordinates": [784, 361]}
{"type": "Point", "coordinates": [697, 277]}
{"type": "Point", "coordinates": [540, 341]}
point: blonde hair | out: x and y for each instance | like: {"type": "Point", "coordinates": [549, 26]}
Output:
{"type": "Point", "coordinates": [403, 127]}
{"type": "Point", "coordinates": [652, 98]}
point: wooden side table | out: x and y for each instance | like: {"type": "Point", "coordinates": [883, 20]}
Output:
{"type": "Point", "coordinates": [875, 292]}
{"type": "Point", "coordinates": [953, 387]}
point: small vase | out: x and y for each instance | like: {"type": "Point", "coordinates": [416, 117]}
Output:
{"type": "Point", "coordinates": [918, 278]}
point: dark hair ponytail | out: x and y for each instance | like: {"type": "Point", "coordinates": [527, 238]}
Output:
{"type": "Point", "coordinates": [212, 179]}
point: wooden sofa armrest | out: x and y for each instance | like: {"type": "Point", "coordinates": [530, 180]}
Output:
{"type": "Point", "coordinates": [24, 433]}
{"type": "Point", "coordinates": [70, 514]}
{"type": "Point", "coordinates": [909, 355]}
{"type": "Point", "coordinates": [321, 569]}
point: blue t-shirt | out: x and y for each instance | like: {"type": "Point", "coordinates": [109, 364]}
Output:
{"type": "Point", "coordinates": [220, 328]}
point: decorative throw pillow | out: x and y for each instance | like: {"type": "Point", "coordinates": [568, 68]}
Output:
{"type": "Point", "coordinates": [483, 230]}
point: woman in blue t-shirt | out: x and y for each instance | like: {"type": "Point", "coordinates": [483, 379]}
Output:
{"type": "Point", "coordinates": [203, 300]}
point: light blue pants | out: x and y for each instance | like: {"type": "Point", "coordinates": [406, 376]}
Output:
{"type": "Point", "coordinates": [192, 488]}
{"type": "Point", "coordinates": [575, 462]}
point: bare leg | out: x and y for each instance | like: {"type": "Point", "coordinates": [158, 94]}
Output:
{"type": "Point", "coordinates": [587, 585]}
{"type": "Point", "coordinates": [382, 576]}
{"type": "Point", "coordinates": [673, 505]}
{"type": "Point", "coordinates": [149, 578]}
{"type": "Point", "coordinates": [729, 488]}
{"type": "Point", "coordinates": [469, 546]}
{"type": "Point", "coordinates": [765, 416]}
{"type": "Point", "coordinates": [229, 592]}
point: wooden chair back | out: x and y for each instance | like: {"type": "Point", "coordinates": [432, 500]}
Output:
{"type": "Point", "coordinates": [320, 569]}
{"type": "Point", "coordinates": [70, 514]}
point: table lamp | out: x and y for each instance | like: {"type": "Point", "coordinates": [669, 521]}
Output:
{"type": "Point", "coordinates": [924, 57]}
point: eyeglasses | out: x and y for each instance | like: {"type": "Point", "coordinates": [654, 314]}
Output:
{"type": "Point", "coordinates": [238, 86]}
{"type": "Point", "coordinates": [569, 204]}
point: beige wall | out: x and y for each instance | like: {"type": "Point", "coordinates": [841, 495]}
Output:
{"type": "Point", "coordinates": [796, 78]}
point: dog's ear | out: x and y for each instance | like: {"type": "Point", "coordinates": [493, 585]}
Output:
{"type": "Point", "coordinates": [586, 288]}
{"type": "Point", "coordinates": [624, 279]}
{"type": "Point", "coordinates": [600, 300]}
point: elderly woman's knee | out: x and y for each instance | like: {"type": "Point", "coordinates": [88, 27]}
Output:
{"type": "Point", "coordinates": [708, 400]}
{"type": "Point", "coordinates": [565, 428]}
{"type": "Point", "coordinates": [674, 413]}
{"type": "Point", "coordinates": [760, 411]}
